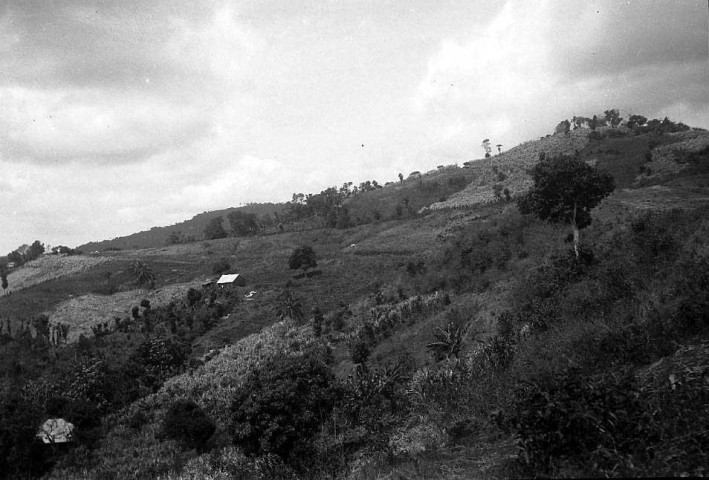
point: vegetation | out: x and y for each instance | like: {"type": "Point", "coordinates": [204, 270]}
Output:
{"type": "Point", "coordinates": [280, 406]}
{"type": "Point", "coordinates": [141, 274]}
{"type": "Point", "coordinates": [565, 190]}
{"type": "Point", "coordinates": [215, 229]}
{"type": "Point", "coordinates": [302, 257]}
{"type": "Point", "coordinates": [449, 344]}
{"type": "Point", "coordinates": [186, 423]}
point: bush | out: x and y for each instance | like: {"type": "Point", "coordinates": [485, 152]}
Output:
{"type": "Point", "coordinates": [159, 359]}
{"type": "Point", "coordinates": [186, 423]}
{"type": "Point", "coordinates": [597, 422]}
{"type": "Point", "coordinates": [279, 407]}
{"type": "Point", "coordinates": [302, 257]}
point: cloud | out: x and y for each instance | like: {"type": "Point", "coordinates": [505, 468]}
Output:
{"type": "Point", "coordinates": [117, 85]}
{"type": "Point", "coordinates": [93, 126]}
{"type": "Point", "coordinates": [535, 64]}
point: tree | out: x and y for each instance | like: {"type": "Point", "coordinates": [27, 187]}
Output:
{"type": "Point", "coordinates": [580, 122]}
{"type": "Point", "coordinates": [242, 223]}
{"type": "Point", "coordinates": [448, 342]}
{"type": "Point", "coordinates": [499, 148]}
{"type": "Point", "coordinates": [565, 190]}
{"type": "Point", "coordinates": [635, 121]}
{"type": "Point", "coordinates": [141, 274]}
{"type": "Point", "coordinates": [563, 127]}
{"type": "Point", "coordinates": [34, 251]}
{"type": "Point", "coordinates": [186, 423]}
{"type": "Point", "coordinates": [215, 229]}
{"type": "Point", "coordinates": [193, 296]}
{"type": "Point", "coordinates": [3, 277]}
{"type": "Point", "coordinates": [612, 117]}
{"type": "Point", "coordinates": [62, 250]}
{"type": "Point", "coordinates": [16, 257]}
{"type": "Point", "coordinates": [302, 257]}
{"type": "Point", "coordinates": [289, 306]}
{"type": "Point", "coordinates": [280, 406]}
{"type": "Point", "coordinates": [486, 146]}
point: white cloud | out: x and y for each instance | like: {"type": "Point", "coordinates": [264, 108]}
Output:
{"type": "Point", "coordinates": [538, 63]}
{"type": "Point", "coordinates": [88, 125]}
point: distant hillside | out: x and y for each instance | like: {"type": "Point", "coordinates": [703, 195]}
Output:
{"type": "Point", "coordinates": [641, 156]}
{"type": "Point", "coordinates": [634, 159]}
{"type": "Point", "coordinates": [189, 229]}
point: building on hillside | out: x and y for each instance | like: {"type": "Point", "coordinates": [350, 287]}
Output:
{"type": "Point", "coordinates": [231, 280]}
{"type": "Point", "coordinates": [56, 430]}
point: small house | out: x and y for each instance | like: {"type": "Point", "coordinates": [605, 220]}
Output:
{"type": "Point", "coordinates": [56, 430]}
{"type": "Point", "coordinates": [231, 280]}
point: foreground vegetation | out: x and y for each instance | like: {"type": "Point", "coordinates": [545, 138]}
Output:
{"type": "Point", "coordinates": [480, 343]}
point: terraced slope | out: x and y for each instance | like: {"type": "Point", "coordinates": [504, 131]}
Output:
{"type": "Point", "coordinates": [509, 169]}
{"type": "Point", "coordinates": [49, 267]}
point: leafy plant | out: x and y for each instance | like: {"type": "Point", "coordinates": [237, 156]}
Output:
{"type": "Point", "coordinates": [280, 406]}
{"type": "Point", "coordinates": [565, 190]}
{"type": "Point", "coordinates": [141, 274]}
{"type": "Point", "coordinates": [448, 342]}
{"type": "Point", "coordinates": [289, 306]}
{"type": "Point", "coordinates": [188, 424]}
{"type": "Point", "coordinates": [302, 257]}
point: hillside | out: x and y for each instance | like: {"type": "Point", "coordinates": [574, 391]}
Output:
{"type": "Point", "coordinates": [452, 337]}
{"type": "Point", "coordinates": [623, 154]}
{"type": "Point", "coordinates": [189, 230]}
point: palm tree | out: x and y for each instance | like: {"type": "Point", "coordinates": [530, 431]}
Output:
{"type": "Point", "coordinates": [289, 306]}
{"type": "Point", "coordinates": [448, 342]}
{"type": "Point", "coordinates": [141, 274]}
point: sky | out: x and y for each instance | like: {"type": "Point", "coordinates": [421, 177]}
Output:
{"type": "Point", "coordinates": [120, 115]}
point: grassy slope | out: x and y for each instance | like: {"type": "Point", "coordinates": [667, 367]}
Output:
{"type": "Point", "coordinates": [352, 275]}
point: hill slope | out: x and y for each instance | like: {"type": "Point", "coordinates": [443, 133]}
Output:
{"type": "Point", "coordinates": [444, 343]}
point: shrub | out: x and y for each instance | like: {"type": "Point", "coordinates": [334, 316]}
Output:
{"type": "Point", "coordinates": [279, 407]}
{"type": "Point", "coordinates": [193, 296]}
{"type": "Point", "coordinates": [186, 423]}
{"type": "Point", "coordinates": [302, 257]}
{"type": "Point", "coordinates": [159, 359]}
{"type": "Point", "coordinates": [597, 422]}
{"type": "Point", "coordinates": [359, 351]}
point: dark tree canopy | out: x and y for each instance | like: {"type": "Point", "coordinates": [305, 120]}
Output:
{"type": "Point", "coordinates": [186, 423]}
{"type": "Point", "coordinates": [215, 229]}
{"type": "Point", "coordinates": [242, 223]}
{"type": "Point", "coordinates": [636, 121]}
{"type": "Point", "coordinates": [302, 257]}
{"type": "Point", "coordinates": [3, 277]}
{"type": "Point", "coordinates": [280, 406]}
{"type": "Point", "coordinates": [612, 117]}
{"type": "Point", "coordinates": [563, 127]}
{"type": "Point", "coordinates": [565, 191]}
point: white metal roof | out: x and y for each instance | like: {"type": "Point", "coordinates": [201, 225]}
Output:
{"type": "Point", "coordinates": [229, 278]}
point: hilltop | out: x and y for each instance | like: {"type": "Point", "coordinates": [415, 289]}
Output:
{"type": "Point", "coordinates": [441, 334]}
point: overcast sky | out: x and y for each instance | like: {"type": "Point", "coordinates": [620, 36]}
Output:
{"type": "Point", "coordinates": [120, 115]}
